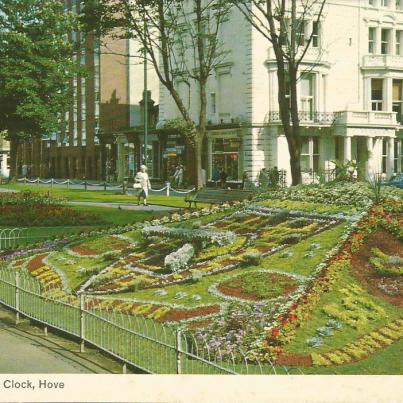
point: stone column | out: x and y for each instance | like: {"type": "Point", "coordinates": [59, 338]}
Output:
{"type": "Point", "coordinates": [387, 94]}
{"type": "Point", "coordinates": [347, 149]}
{"type": "Point", "coordinates": [390, 158]}
{"type": "Point", "coordinates": [369, 169]}
{"type": "Point", "coordinates": [377, 155]}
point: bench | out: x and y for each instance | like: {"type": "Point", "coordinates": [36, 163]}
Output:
{"type": "Point", "coordinates": [217, 196]}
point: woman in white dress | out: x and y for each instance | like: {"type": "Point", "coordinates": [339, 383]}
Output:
{"type": "Point", "coordinates": [142, 185]}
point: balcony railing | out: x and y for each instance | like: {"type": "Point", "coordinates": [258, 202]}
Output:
{"type": "Point", "coordinates": [367, 118]}
{"type": "Point", "coordinates": [382, 62]}
{"type": "Point", "coordinates": [316, 118]}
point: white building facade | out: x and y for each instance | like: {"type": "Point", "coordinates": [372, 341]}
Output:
{"type": "Point", "coordinates": [350, 94]}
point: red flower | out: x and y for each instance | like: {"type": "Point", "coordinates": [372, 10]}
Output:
{"type": "Point", "coordinates": [275, 332]}
{"type": "Point", "coordinates": [280, 317]}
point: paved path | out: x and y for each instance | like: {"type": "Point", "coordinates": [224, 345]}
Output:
{"type": "Point", "coordinates": [124, 206]}
{"type": "Point", "coordinates": [24, 349]}
{"type": "Point", "coordinates": [22, 354]}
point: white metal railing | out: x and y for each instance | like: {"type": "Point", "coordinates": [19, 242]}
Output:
{"type": "Point", "coordinates": [167, 189]}
{"type": "Point", "coordinates": [134, 340]}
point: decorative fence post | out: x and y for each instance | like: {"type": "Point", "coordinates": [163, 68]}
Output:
{"type": "Point", "coordinates": [168, 188]}
{"type": "Point", "coordinates": [104, 186]}
{"type": "Point", "coordinates": [82, 322]}
{"type": "Point", "coordinates": [51, 183]}
{"type": "Point", "coordinates": [17, 297]}
{"type": "Point", "coordinates": [85, 185]}
{"type": "Point", "coordinates": [38, 180]}
{"type": "Point", "coordinates": [68, 183]}
{"type": "Point", "coordinates": [179, 352]}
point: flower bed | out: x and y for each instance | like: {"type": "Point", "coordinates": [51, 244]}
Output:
{"type": "Point", "coordinates": [33, 209]}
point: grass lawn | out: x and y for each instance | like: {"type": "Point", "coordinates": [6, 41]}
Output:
{"type": "Point", "coordinates": [100, 196]}
{"type": "Point", "coordinates": [111, 216]}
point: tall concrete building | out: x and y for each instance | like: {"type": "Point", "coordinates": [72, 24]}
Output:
{"type": "Point", "coordinates": [106, 105]}
{"type": "Point", "coordinates": [350, 94]}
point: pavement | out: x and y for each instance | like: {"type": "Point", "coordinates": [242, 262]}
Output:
{"type": "Point", "coordinates": [124, 206]}
{"type": "Point", "coordinates": [26, 349]}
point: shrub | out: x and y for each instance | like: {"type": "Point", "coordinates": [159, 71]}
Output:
{"type": "Point", "coordinates": [252, 258]}
{"type": "Point", "coordinates": [291, 239]}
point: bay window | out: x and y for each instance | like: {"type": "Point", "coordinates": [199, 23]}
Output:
{"type": "Point", "coordinates": [377, 94]}
{"type": "Point", "coordinates": [310, 154]}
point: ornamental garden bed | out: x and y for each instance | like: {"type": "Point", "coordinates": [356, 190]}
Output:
{"type": "Point", "coordinates": [386, 282]}
{"type": "Point", "coordinates": [275, 284]}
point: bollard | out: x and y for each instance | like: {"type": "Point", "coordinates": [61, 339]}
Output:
{"type": "Point", "coordinates": [37, 181]}
{"type": "Point", "coordinates": [68, 183]}
{"type": "Point", "coordinates": [168, 188]}
{"type": "Point", "coordinates": [85, 185]}
{"type": "Point", "coordinates": [45, 331]}
{"type": "Point", "coordinates": [105, 186]}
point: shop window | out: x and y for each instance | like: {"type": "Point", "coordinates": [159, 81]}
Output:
{"type": "Point", "coordinates": [226, 152]}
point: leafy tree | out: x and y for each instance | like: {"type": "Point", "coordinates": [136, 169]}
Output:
{"type": "Point", "coordinates": [36, 59]}
{"type": "Point", "coordinates": [181, 40]}
{"type": "Point", "coordinates": [283, 24]}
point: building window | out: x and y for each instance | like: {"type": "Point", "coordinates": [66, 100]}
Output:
{"type": "Point", "coordinates": [225, 96]}
{"type": "Point", "coordinates": [371, 2]}
{"type": "Point", "coordinates": [385, 41]}
{"type": "Point", "coordinates": [226, 152]}
{"type": "Point", "coordinates": [371, 40]}
{"type": "Point", "coordinates": [213, 103]}
{"type": "Point", "coordinates": [307, 96]}
{"type": "Point", "coordinates": [384, 3]}
{"type": "Point", "coordinates": [397, 98]}
{"type": "Point", "coordinates": [310, 154]}
{"type": "Point", "coordinates": [377, 94]}
{"type": "Point", "coordinates": [398, 49]}
{"type": "Point", "coordinates": [315, 34]}
{"type": "Point", "coordinates": [397, 167]}
{"type": "Point", "coordinates": [384, 155]}
{"type": "Point", "coordinates": [398, 5]}
{"type": "Point", "coordinates": [300, 33]}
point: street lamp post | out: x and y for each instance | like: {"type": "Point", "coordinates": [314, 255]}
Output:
{"type": "Point", "coordinates": [145, 100]}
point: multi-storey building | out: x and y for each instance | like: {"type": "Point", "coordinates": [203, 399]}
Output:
{"type": "Point", "coordinates": [106, 105]}
{"type": "Point", "coordinates": [350, 94]}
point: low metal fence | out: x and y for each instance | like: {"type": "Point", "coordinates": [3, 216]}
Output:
{"type": "Point", "coordinates": [143, 343]}
{"type": "Point", "coordinates": [124, 187]}
{"type": "Point", "coordinates": [12, 237]}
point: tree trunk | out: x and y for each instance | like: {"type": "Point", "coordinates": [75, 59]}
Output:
{"type": "Point", "coordinates": [13, 157]}
{"type": "Point", "coordinates": [198, 162]}
{"type": "Point", "coordinates": [295, 164]}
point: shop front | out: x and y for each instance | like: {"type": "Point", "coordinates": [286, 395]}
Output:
{"type": "Point", "coordinates": [225, 153]}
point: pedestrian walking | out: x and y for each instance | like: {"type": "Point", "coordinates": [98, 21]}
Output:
{"type": "Point", "coordinates": [142, 185]}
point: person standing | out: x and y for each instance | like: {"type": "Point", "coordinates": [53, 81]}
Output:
{"type": "Point", "coordinates": [142, 185]}
{"type": "Point", "coordinates": [216, 175]}
{"type": "Point", "coordinates": [223, 177]}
